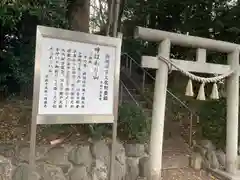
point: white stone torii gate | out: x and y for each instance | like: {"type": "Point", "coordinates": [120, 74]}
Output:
{"type": "Point", "coordinates": [200, 65]}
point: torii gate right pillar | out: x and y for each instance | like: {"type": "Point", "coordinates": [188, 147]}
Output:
{"type": "Point", "coordinates": [232, 115]}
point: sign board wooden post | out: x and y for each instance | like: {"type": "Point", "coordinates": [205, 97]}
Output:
{"type": "Point", "coordinates": [76, 81]}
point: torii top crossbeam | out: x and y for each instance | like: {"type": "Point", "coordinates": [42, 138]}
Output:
{"type": "Point", "coordinates": [153, 35]}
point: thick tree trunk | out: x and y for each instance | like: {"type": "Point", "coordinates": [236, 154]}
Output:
{"type": "Point", "coordinates": [122, 5]}
{"type": "Point", "coordinates": [108, 27]}
{"type": "Point", "coordinates": [79, 15]}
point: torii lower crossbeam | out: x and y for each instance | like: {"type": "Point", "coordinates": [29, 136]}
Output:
{"type": "Point", "coordinates": [191, 66]}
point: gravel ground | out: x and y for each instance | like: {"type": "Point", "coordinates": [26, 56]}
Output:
{"type": "Point", "coordinates": [176, 155]}
{"type": "Point", "coordinates": [186, 174]}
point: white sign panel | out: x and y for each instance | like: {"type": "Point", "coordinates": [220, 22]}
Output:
{"type": "Point", "coordinates": [76, 78]}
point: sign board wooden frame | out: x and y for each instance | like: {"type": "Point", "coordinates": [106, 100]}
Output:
{"type": "Point", "coordinates": [67, 36]}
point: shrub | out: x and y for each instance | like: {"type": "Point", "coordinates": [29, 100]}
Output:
{"type": "Point", "coordinates": [98, 131]}
{"type": "Point", "coordinates": [213, 121]}
{"type": "Point", "coordinates": [133, 124]}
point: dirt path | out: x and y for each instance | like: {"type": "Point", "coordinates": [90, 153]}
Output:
{"type": "Point", "coordinates": [176, 154]}
{"type": "Point", "coordinates": [186, 174]}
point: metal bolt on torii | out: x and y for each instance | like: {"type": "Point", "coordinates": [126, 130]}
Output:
{"type": "Point", "coordinates": [162, 63]}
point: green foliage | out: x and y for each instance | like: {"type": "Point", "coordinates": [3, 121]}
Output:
{"type": "Point", "coordinates": [56, 129]}
{"type": "Point", "coordinates": [18, 21]}
{"type": "Point", "coordinates": [98, 131]}
{"type": "Point", "coordinates": [213, 121]}
{"type": "Point", "coordinates": [212, 19]}
{"type": "Point", "coordinates": [133, 123]}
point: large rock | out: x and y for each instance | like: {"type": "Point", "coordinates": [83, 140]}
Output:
{"type": "Point", "coordinates": [99, 170]}
{"type": "Point", "coordinates": [203, 147]}
{"type": "Point", "coordinates": [135, 150]}
{"type": "Point", "coordinates": [57, 156]}
{"type": "Point", "coordinates": [50, 172]}
{"type": "Point", "coordinates": [120, 153]}
{"type": "Point", "coordinates": [7, 150]}
{"type": "Point", "coordinates": [119, 171]}
{"type": "Point", "coordinates": [120, 162]}
{"type": "Point", "coordinates": [208, 153]}
{"type": "Point", "coordinates": [141, 178]}
{"type": "Point", "coordinates": [21, 173]}
{"type": "Point", "coordinates": [79, 173]}
{"type": "Point", "coordinates": [24, 151]}
{"type": "Point", "coordinates": [132, 168]}
{"type": "Point", "coordinates": [5, 168]}
{"type": "Point", "coordinates": [196, 161]}
{"type": "Point", "coordinates": [81, 155]}
{"type": "Point", "coordinates": [200, 149]}
{"type": "Point", "coordinates": [147, 148]}
{"type": "Point", "coordinates": [100, 151]}
{"type": "Point", "coordinates": [212, 158]}
{"type": "Point", "coordinates": [221, 157]}
{"type": "Point", "coordinates": [207, 144]}
{"type": "Point", "coordinates": [144, 167]}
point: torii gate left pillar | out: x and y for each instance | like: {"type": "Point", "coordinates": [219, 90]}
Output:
{"type": "Point", "coordinates": [159, 102]}
{"type": "Point", "coordinates": [201, 66]}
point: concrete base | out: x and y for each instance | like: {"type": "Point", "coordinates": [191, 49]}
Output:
{"type": "Point", "coordinates": [225, 175]}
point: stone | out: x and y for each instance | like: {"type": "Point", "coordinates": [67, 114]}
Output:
{"type": "Point", "coordinates": [81, 155]}
{"type": "Point", "coordinates": [7, 150]}
{"type": "Point", "coordinates": [21, 173]}
{"type": "Point", "coordinates": [132, 168]}
{"type": "Point", "coordinates": [120, 162]}
{"type": "Point", "coordinates": [65, 168]}
{"type": "Point", "coordinates": [25, 150]}
{"type": "Point", "coordinates": [141, 178]}
{"type": "Point", "coordinates": [212, 158]}
{"type": "Point", "coordinates": [57, 156]}
{"type": "Point", "coordinates": [79, 173]}
{"type": "Point", "coordinates": [68, 147]}
{"type": "Point", "coordinates": [206, 163]}
{"type": "Point", "coordinates": [196, 161]}
{"type": "Point", "coordinates": [5, 167]}
{"type": "Point", "coordinates": [50, 172]}
{"type": "Point", "coordinates": [200, 149]}
{"type": "Point", "coordinates": [100, 151]}
{"type": "Point", "coordinates": [135, 150]}
{"type": "Point", "coordinates": [207, 144]}
{"type": "Point", "coordinates": [120, 153]}
{"type": "Point", "coordinates": [144, 167]}
{"type": "Point", "coordinates": [221, 157]}
{"type": "Point", "coordinates": [120, 170]}
{"type": "Point", "coordinates": [147, 148]}
{"type": "Point", "coordinates": [238, 159]}
{"type": "Point", "coordinates": [99, 170]}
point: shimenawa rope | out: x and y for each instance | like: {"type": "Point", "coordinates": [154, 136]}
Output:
{"type": "Point", "coordinates": [194, 77]}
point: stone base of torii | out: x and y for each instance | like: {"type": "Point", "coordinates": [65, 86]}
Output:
{"type": "Point", "coordinates": [166, 39]}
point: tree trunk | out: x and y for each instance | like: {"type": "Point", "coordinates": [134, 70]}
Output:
{"type": "Point", "coordinates": [122, 5]}
{"type": "Point", "coordinates": [79, 15]}
{"type": "Point", "coordinates": [109, 25]}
